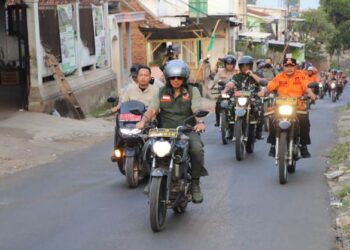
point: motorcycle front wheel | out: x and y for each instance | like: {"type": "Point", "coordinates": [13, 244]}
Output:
{"type": "Point", "coordinates": [157, 202]}
{"type": "Point", "coordinates": [282, 157]}
{"type": "Point", "coordinates": [132, 171]}
{"type": "Point", "coordinates": [239, 144]}
{"type": "Point", "coordinates": [334, 98]}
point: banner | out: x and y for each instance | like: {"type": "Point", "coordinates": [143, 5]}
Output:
{"type": "Point", "coordinates": [67, 38]}
{"type": "Point", "coordinates": [100, 39]}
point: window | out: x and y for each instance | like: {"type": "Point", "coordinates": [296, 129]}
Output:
{"type": "Point", "coordinates": [49, 31]}
{"type": "Point", "coordinates": [87, 28]}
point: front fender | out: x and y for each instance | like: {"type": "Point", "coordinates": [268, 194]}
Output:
{"type": "Point", "coordinates": [159, 172]}
{"type": "Point", "coordinates": [240, 112]}
{"type": "Point", "coordinates": [130, 152]}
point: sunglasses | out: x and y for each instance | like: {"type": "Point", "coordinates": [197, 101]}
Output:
{"type": "Point", "coordinates": [245, 65]}
{"type": "Point", "coordinates": [176, 78]}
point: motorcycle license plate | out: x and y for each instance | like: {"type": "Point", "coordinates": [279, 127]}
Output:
{"type": "Point", "coordinates": [129, 117]}
{"type": "Point", "coordinates": [286, 101]}
{"type": "Point", "coordinates": [162, 132]}
{"type": "Point", "coordinates": [242, 93]}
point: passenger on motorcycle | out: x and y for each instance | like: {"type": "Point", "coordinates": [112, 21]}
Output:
{"type": "Point", "coordinates": [291, 83]}
{"type": "Point", "coordinates": [246, 78]}
{"type": "Point", "coordinates": [173, 103]}
{"type": "Point", "coordinates": [267, 71]}
{"type": "Point", "coordinates": [141, 91]}
{"type": "Point", "coordinates": [224, 75]}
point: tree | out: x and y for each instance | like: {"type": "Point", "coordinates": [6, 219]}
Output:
{"type": "Point", "coordinates": [316, 32]}
{"type": "Point", "coordinates": [339, 13]}
{"type": "Point", "coordinates": [253, 2]}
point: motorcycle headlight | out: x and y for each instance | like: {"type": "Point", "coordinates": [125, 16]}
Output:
{"type": "Point", "coordinates": [128, 131]}
{"type": "Point", "coordinates": [225, 96]}
{"type": "Point", "coordinates": [242, 101]}
{"type": "Point", "coordinates": [285, 110]}
{"type": "Point", "coordinates": [320, 85]}
{"type": "Point", "coordinates": [161, 148]}
{"type": "Point", "coordinates": [333, 85]}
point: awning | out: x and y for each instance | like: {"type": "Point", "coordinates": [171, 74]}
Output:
{"type": "Point", "coordinates": [290, 44]}
{"type": "Point", "coordinates": [255, 35]}
{"type": "Point", "coordinates": [130, 16]}
{"type": "Point", "coordinates": [182, 32]}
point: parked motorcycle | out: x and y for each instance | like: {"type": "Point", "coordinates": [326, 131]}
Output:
{"type": "Point", "coordinates": [170, 181]}
{"type": "Point", "coordinates": [129, 152]}
{"type": "Point", "coordinates": [287, 135]}
{"type": "Point", "coordinates": [246, 120]}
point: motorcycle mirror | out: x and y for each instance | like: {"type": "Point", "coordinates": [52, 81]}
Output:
{"type": "Point", "coordinates": [312, 85]}
{"type": "Point", "coordinates": [264, 82]}
{"type": "Point", "coordinates": [201, 113]}
{"type": "Point", "coordinates": [135, 111]}
{"type": "Point", "coordinates": [222, 83]}
{"type": "Point", "coordinates": [112, 99]}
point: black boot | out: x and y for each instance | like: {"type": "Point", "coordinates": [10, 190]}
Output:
{"type": "Point", "coordinates": [304, 152]}
{"type": "Point", "coordinates": [272, 152]}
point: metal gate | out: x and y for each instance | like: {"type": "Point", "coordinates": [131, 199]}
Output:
{"type": "Point", "coordinates": [17, 26]}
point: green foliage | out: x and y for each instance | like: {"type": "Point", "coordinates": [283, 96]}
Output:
{"type": "Point", "coordinates": [316, 32]}
{"type": "Point", "coordinates": [339, 153]}
{"type": "Point", "coordinates": [338, 12]}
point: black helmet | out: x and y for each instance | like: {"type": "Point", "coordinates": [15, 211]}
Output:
{"type": "Point", "coordinates": [134, 70]}
{"type": "Point", "coordinates": [260, 62]}
{"type": "Point", "coordinates": [229, 59]}
{"type": "Point", "coordinates": [176, 68]}
{"type": "Point", "coordinates": [246, 60]}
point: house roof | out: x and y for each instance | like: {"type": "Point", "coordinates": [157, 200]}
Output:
{"type": "Point", "coordinates": [257, 13]}
{"type": "Point", "coordinates": [290, 44]}
{"type": "Point", "coordinates": [182, 32]}
{"type": "Point", "coordinates": [255, 35]}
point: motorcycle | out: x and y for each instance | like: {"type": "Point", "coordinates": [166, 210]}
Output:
{"type": "Point", "coordinates": [246, 120]}
{"type": "Point", "coordinates": [268, 102]}
{"type": "Point", "coordinates": [129, 155]}
{"type": "Point", "coordinates": [170, 181]}
{"type": "Point", "coordinates": [287, 135]}
{"type": "Point", "coordinates": [321, 90]}
{"type": "Point", "coordinates": [333, 90]}
{"type": "Point", "coordinates": [227, 117]}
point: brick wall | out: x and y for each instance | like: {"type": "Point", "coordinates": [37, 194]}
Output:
{"type": "Point", "coordinates": [139, 43]}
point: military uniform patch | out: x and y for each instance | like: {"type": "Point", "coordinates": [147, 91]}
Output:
{"type": "Point", "coordinates": [165, 98]}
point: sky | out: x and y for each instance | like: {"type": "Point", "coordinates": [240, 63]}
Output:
{"type": "Point", "coordinates": [305, 4]}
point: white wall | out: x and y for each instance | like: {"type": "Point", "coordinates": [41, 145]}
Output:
{"type": "Point", "coordinates": [221, 7]}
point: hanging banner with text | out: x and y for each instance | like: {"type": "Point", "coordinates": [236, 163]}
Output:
{"type": "Point", "coordinates": [67, 38]}
{"type": "Point", "coordinates": [100, 39]}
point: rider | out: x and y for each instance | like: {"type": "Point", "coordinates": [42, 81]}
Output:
{"type": "Point", "coordinates": [268, 72]}
{"type": "Point", "coordinates": [141, 91]}
{"type": "Point", "coordinates": [247, 77]}
{"type": "Point", "coordinates": [311, 77]}
{"type": "Point", "coordinates": [224, 75]}
{"type": "Point", "coordinates": [174, 103]}
{"type": "Point", "coordinates": [291, 83]}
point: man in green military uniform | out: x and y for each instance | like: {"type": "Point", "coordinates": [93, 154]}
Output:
{"type": "Point", "coordinates": [174, 103]}
{"type": "Point", "coordinates": [245, 78]}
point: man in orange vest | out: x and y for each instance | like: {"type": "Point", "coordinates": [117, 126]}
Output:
{"type": "Point", "coordinates": [291, 83]}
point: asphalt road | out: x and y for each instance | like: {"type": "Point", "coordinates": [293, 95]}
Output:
{"type": "Point", "coordinates": [82, 202]}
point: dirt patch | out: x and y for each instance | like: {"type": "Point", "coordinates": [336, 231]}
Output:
{"type": "Point", "coordinates": [32, 139]}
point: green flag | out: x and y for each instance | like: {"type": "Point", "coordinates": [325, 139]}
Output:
{"type": "Point", "coordinates": [211, 42]}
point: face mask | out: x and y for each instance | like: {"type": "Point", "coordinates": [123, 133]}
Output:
{"type": "Point", "coordinates": [267, 65]}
